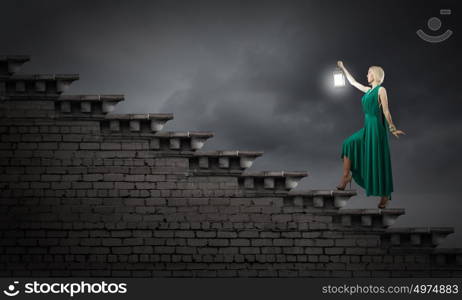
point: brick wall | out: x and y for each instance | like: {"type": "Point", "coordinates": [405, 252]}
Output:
{"type": "Point", "coordinates": [86, 192]}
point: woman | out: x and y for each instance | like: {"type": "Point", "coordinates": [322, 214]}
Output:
{"type": "Point", "coordinates": [366, 152]}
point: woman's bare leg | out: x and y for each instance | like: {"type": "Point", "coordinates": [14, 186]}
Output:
{"type": "Point", "coordinates": [346, 170]}
{"type": "Point", "coordinates": [383, 200]}
{"type": "Point", "coordinates": [346, 166]}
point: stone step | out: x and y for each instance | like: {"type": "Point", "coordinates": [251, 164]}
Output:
{"type": "Point", "coordinates": [368, 218]}
{"type": "Point", "coordinates": [177, 140]}
{"type": "Point", "coordinates": [168, 143]}
{"type": "Point", "coordinates": [262, 181]}
{"type": "Point", "coordinates": [69, 107]}
{"type": "Point", "coordinates": [318, 199]}
{"type": "Point", "coordinates": [10, 64]}
{"type": "Point", "coordinates": [415, 236]}
{"type": "Point", "coordinates": [222, 161]}
{"type": "Point", "coordinates": [86, 105]}
{"type": "Point", "coordinates": [442, 257]}
{"type": "Point", "coordinates": [447, 256]}
{"type": "Point", "coordinates": [37, 86]}
{"type": "Point", "coordinates": [150, 122]}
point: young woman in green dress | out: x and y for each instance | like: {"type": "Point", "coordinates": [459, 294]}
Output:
{"type": "Point", "coordinates": [366, 152]}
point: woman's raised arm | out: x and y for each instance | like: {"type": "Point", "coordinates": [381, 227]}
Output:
{"type": "Point", "coordinates": [350, 78]}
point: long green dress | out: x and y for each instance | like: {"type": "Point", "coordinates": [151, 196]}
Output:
{"type": "Point", "coordinates": [369, 151]}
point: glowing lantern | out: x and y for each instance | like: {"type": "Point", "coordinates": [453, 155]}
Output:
{"type": "Point", "coordinates": [339, 78]}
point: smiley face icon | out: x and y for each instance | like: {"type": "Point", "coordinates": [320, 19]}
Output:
{"type": "Point", "coordinates": [11, 290]}
{"type": "Point", "coordinates": [434, 24]}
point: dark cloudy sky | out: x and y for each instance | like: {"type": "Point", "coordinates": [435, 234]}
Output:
{"type": "Point", "coordinates": [258, 74]}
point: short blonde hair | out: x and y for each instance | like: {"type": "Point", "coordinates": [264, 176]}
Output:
{"type": "Point", "coordinates": [379, 73]}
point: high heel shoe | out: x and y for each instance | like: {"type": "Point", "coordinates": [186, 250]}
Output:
{"type": "Point", "coordinates": [382, 206]}
{"type": "Point", "coordinates": [346, 182]}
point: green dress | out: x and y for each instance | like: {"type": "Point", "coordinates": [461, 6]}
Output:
{"type": "Point", "coordinates": [369, 151]}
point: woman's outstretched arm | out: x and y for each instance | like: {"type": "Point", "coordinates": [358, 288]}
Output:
{"type": "Point", "coordinates": [351, 79]}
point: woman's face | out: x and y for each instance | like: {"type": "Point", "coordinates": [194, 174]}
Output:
{"type": "Point", "coordinates": [370, 76]}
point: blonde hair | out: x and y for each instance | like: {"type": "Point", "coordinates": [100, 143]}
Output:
{"type": "Point", "coordinates": [379, 73]}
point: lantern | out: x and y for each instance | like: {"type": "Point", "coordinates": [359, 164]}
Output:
{"type": "Point", "coordinates": [339, 78]}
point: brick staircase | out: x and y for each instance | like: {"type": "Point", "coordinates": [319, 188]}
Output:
{"type": "Point", "coordinates": [85, 192]}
